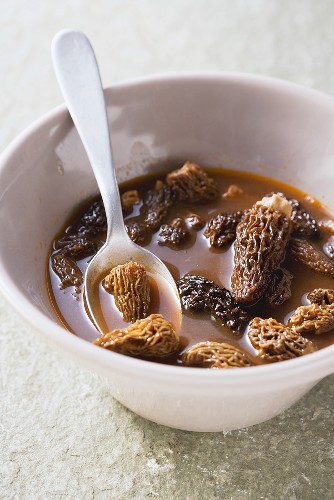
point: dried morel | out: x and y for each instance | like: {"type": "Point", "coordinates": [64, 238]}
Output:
{"type": "Point", "coordinates": [128, 199]}
{"type": "Point", "coordinates": [225, 309]}
{"type": "Point", "coordinates": [153, 336]}
{"type": "Point", "coordinates": [321, 296]}
{"type": "Point", "coordinates": [313, 319]}
{"type": "Point", "coordinates": [304, 225]}
{"type": "Point", "coordinates": [76, 246]}
{"type": "Point", "coordinates": [195, 221]}
{"type": "Point", "coordinates": [222, 228]}
{"type": "Point", "coordinates": [200, 294]}
{"type": "Point", "coordinates": [306, 254]}
{"type": "Point", "coordinates": [280, 287]}
{"type": "Point", "coordinates": [172, 235]}
{"type": "Point", "coordinates": [67, 270]}
{"type": "Point", "coordinates": [94, 220]}
{"type": "Point", "coordinates": [139, 233]}
{"type": "Point", "coordinates": [233, 191]}
{"type": "Point", "coordinates": [194, 292]}
{"type": "Point", "coordinates": [156, 204]}
{"type": "Point", "coordinates": [277, 342]}
{"type": "Point", "coordinates": [130, 287]}
{"type": "Point", "coordinates": [191, 183]}
{"type": "Point", "coordinates": [261, 239]}
{"type": "Point", "coordinates": [215, 355]}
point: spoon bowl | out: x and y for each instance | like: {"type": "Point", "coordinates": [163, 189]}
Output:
{"type": "Point", "coordinates": [110, 256]}
{"type": "Point", "coordinates": [79, 79]}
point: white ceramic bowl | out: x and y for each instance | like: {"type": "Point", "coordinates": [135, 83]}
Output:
{"type": "Point", "coordinates": [244, 122]}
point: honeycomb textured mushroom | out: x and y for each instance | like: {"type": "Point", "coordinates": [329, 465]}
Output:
{"type": "Point", "coordinates": [275, 341]}
{"type": "Point", "coordinates": [153, 336]}
{"type": "Point", "coordinates": [261, 239]}
{"type": "Point", "coordinates": [215, 355]}
{"type": "Point", "coordinates": [221, 229]}
{"type": "Point", "coordinates": [129, 285]}
{"type": "Point", "coordinates": [191, 183]}
{"type": "Point", "coordinates": [305, 253]}
{"type": "Point", "coordinates": [67, 271]}
{"type": "Point", "coordinates": [321, 296]}
{"type": "Point", "coordinates": [129, 199]}
{"type": "Point", "coordinates": [313, 319]}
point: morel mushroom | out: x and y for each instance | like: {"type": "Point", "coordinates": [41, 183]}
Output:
{"type": "Point", "coordinates": [200, 294]}
{"type": "Point", "coordinates": [93, 221]}
{"type": "Point", "coordinates": [129, 198]}
{"type": "Point", "coordinates": [153, 336]}
{"type": "Point", "coordinates": [195, 292]}
{"type": "Point", "coordinates": [174, 234]}
{"type": "Point", "coordinates": [261, 239]}
{"type": "Point", "coordinates": [76, 246]}
{"type": "Point", "coordinates": [313, 319]}
{"type": "Point", "coordinates": [225, 309]}
{"type": "Point", "coordinates": [156, 205]}
{"type": "Point", "coordinates": [306, 254]}
{"type": "Point", "coordinates": [222, 228]}
{"type": "Point", "coordinates": [275, 341]}
{"type": "Point", "coordinates": [215, 355]}
{"type": "Point", "coordinates": [304, 225]}
{"type": "Point", "coordinates": [321, 296]}
{"type": "Point", "coordinates": [68, 271]}
{"type": "Point", "coordinates": [130, 287]}
{"type": "Point", "coordinates": [191, 183]}
{"type": "Point", "coordinates": [139, 233]}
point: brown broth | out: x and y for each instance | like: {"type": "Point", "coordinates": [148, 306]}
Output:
{"type": "Point", "coordinates": [196, 257]}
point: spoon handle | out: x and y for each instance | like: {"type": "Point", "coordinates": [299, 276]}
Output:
{"type": "Point", "coordinates": [79, 79]}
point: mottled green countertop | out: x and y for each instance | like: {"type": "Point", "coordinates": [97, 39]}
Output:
{"type": "Point", "coordinates": [61, 434]}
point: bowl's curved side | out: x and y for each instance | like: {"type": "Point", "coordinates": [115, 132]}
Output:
{"type": "Point", "coordinates": [218, 410]}
{"type": "Point", "coordinates": [244, 122]}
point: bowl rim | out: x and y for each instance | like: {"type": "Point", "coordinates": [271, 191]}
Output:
{"type": "Point", "coordinates": [107, 361]}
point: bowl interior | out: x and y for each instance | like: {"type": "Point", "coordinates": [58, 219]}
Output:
{"type": "Point", "coordinates": [236, 121]}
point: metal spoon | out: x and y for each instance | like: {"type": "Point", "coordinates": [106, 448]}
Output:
{"type": "Point", "coordinates": [79, 79]}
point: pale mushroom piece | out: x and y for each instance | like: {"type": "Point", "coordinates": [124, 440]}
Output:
{"type": "Point", "coordinates": [153, 336]}
{"type": "Point", "coordinates": [130, 287]}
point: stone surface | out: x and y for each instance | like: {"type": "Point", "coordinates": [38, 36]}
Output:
{"type": "Point", "coordinates": [61, 434]}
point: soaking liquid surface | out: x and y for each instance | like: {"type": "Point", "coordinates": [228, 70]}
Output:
{"type": "Point", "coordinates": [196, 257]}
